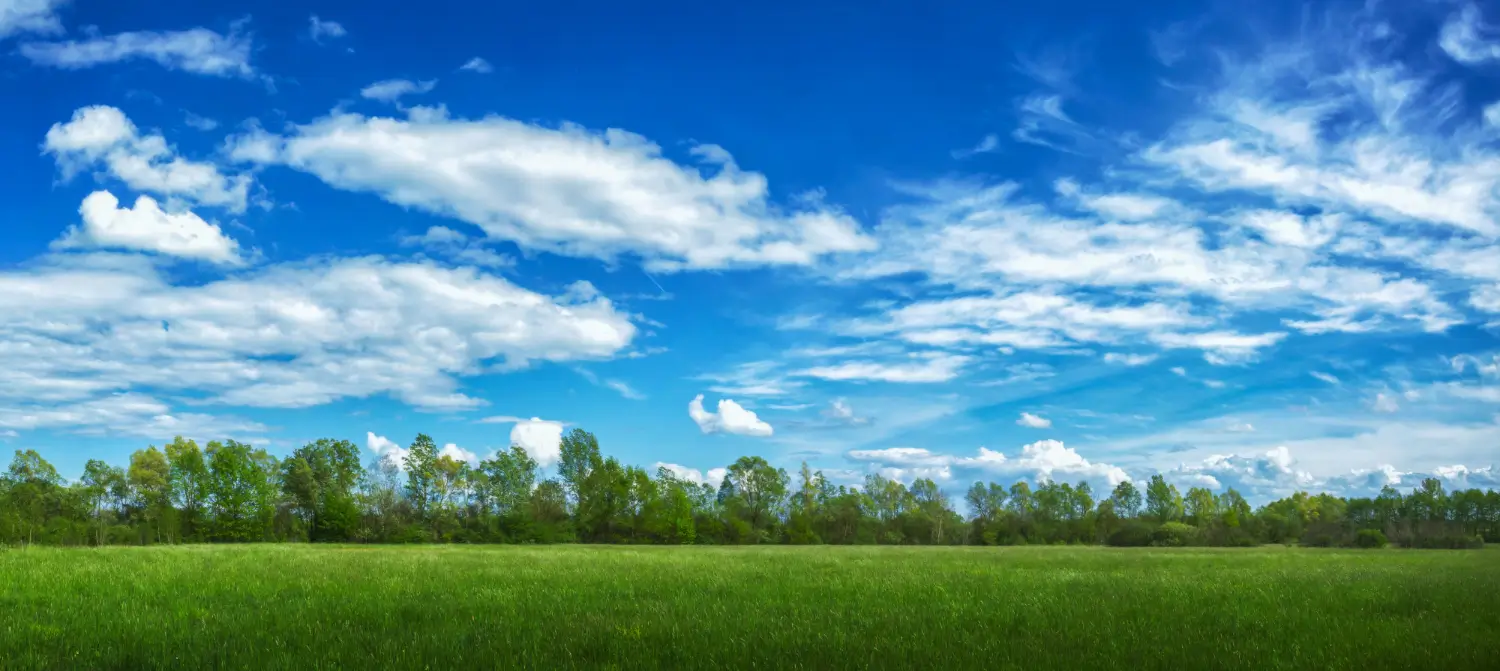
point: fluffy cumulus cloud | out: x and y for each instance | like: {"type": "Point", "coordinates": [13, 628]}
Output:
{"type": "Point", "coordinates": [713, 477]}
{"type": "Point", "coordinates": [570, 190]}
{"type": "Point", "coordinates": [542, 439]}
{"type": "Point", "coordinates": [392, 90]}
{"type": "Point", "coordinates": [199, 51]}
{"type": "Point", "coordinates": [1276, 473]}
{"type": "Point", "coordinates": [102, 136]}
{"type": "Point", "coordinates": [456, 453]}
{"type": "Point", "coordinates": [29, 16]}
{"type": "Point", "coordinates": [731, 418]}
{"type": "Point", "coordinates": [386, 450]}
{"type": "Point", "coordinates": [147, 227]}
{"type": "Point", "coordinates": [1041, 461]}
{"type": "Point", "coordinates": [1034, 421]}
{"type": "Point", "coordinates": [76, 329]}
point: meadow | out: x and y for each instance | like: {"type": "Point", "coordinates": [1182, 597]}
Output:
{"type": "Point", "coordinates": [549, 607]}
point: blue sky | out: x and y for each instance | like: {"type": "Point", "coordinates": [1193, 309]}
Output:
{"type": "Point", "coordinates": [1249, 247]}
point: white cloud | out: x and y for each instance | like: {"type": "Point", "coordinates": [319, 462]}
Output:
{"type": "Point", "coordinates": [840, 412]}
{"type": "Point", "coordinates": [1220, 347]}
{"type": "Point", "coordinates": [1179, 371]}
{"type": "Point", "coordinates": [1492, 114]}
{"type": "Point", "coordinates": [1274, 474]}
{"type": "Point", "coordinates": [1287, 228]}
{"type": "Point", "coordinates": [1385, 403]}
{"type": "Point", "coordinates": [318, 28]}
{"type": "Point", "coordinates": [447, 243]}
{"type": "Point", "coordinates": [542, 439]}
{"type": "Point", "coordinates": [1326, 377]}
{"type": "Point", "coordinates": [29, 16]}
{"type": "Point", "coordinates": [572, 191]}
{"type": "Point", "coordinates": [1467, 39]}
{"type": "Point", "coordinates": [477, 64]}
{"type": "Point", "coordinates": [392, 90]}
{"type": "Point", "coordinates": [103, 135]}
{"type": "Point", "coordinates": [987, 144]}
{"type": "Point", "coordinates": [1129, 359]}
{"type": "Point", "coordinates": [755, 378]}
{"type": "Point", "coordinates": [294, 335]}
{"type": "Point", "coordinates": [920, 368]}
{"type": "Point", "coordinates": [456, 453]}
{"type": "Point", "coordinates": [147, 227]}
{"type": "Point", "coordinates": [731, 418]}
{"type": "Point", "coordinates": [693, 475]}
{"type": "Point", "coordinates": [129, 413]}
{"type": "Point", "coordinates": [1486, 298]}
{"type": "Point", "coordinates": [1032, 421]}
{"type": "Point", "coordinates": [386, 450]}
{"type": "Point", "coordinates": [1043, 460]}
{"type": "Point", "coordinates": [196, 122]}
{"type": "Point", "coordinates": [199, 51]}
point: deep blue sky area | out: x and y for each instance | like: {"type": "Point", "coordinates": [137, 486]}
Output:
{"type": "Point", "coordinates": [1246, 245]}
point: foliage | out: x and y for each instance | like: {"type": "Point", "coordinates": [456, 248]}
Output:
{"type": "Point", "coordinates": [232, 492]}
{"type": "Point", "coordinates": [1369, 539]}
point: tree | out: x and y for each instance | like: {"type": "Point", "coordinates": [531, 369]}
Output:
{"type": "Point", "coordinates": [188, 479]}
{"type": "Point", "coordinates": [1126, 500]}
{"type": "Point", "coordinates": [240, 490]}
{"type": "Point", "coordinates": [1162, 500]}
{"type": "Point", "coordinates": [421, 475]}
{"type": "Point", "coordinates": [33, 488]}
{"type": "Point", "coordinates": [1201, 506]}
{"type": "Point", "coordinates": [150, 481]}
{"type": "Point", "coordinates": [511, 476]}
{"type": "Point", "coordinates": [319, 479]}
{"type": "Point", "coordinates": [578, 453]}
{"type": "Point", "coordinates": [761, 491]}
{"type": "Point", "coordinates": [100, 481]}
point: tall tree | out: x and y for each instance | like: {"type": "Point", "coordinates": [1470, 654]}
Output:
{"type": "Point", "coordinates": [189, 479]}
{"type": "Point", "coordinates": [761, 491]}
{"type": "Point", "coordinates": [421, 476]}
{"type": "Point", "coordinates": [1126, 499]}
{"type": "Point", "coordinates": [1163, 502]}
{"type": "Point", "coordinates": [578, 453]}
{"type": "Point", "coordinates": [150, 481]}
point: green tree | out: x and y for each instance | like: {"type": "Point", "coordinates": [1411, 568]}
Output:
{"type": "Point", "coordinates": [1126, 500]}
{"type": "Point", "coordinates": [240, 491]}
{"type": "Point", "coordinates": [1163, 502]}
{"type": "Point", "coordinates": [421, 476]}
{"type": "Point", "coordinates": [578, 453]}
{"type": "Point", "coordinates": [760, 490]}
{"type": "Point", "coordinates": [188, 478]}
{"type": "Point", "coordinates": [33, 489]}
{"type": "Point", "coordinates": [151, 483]}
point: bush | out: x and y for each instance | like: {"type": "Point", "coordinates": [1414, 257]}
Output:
{"type": "Point", "coordinates": [1369, 539]}
{"type": "Point", "coordinates": [1454, 541]}
{"type": "Point", "coordinates": [1132, 535]}
{"type": "Point", "coordinates": [1174, 535]}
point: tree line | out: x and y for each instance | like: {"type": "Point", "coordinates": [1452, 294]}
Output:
{"type": "Point", "coordinates": [232, 492]}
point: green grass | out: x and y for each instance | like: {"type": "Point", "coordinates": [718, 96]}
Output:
{"type": "Point", "coordinates": [287, 606]}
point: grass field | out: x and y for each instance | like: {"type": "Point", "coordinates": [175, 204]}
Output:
{"type": "Point", "coordinates": [286, 606]}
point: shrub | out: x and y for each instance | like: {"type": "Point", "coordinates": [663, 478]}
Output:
{"type": "Point", "coordinates": [1174, 534]}
{"type": "Point", "coordinates": [1369, 538]}
{"type": "Point", "coordinates": [1131, 535]}
{"type": "Point", "coordinates": [1452, 541]}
